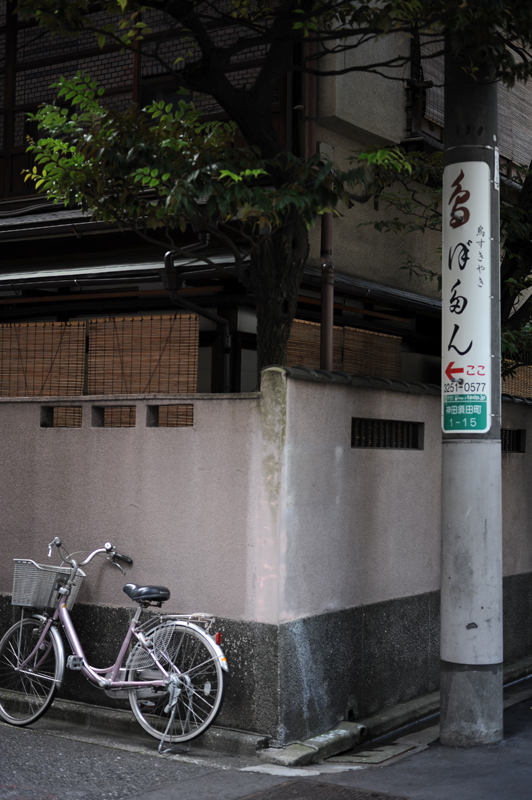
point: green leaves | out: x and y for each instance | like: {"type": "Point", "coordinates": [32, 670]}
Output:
{"type": "Point", "coordinates": [162, 166]}
{"type": "Point", "coordinates": [70, 17]}
{"type": "Point", "coordinates": [392, 159]}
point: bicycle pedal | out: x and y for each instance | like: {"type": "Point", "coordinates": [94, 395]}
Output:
{"type": "Point", "coordinates": [74, 662]}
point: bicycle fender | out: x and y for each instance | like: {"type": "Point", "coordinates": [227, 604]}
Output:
{"type": "Point", "coordinates": [216, 647]}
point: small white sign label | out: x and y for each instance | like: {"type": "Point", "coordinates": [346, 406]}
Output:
{"type": "Point", "coordinates": [466, 298]}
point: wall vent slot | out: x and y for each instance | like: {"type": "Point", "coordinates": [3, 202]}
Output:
{"type": "Point", "coordinates": [172, 416]}
{"type": "Point", "coordinates": [386, 433]}
{"type": "Point", "coordinates": [114, 416]}
{"type": "Point", "coordinates": [61, 416]}
{"type": "Point", "coordinates": [513, 441]}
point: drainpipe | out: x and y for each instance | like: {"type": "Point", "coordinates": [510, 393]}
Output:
{"type": "Point", "coordinates": [327, 293]}
{"type": "Point", "coordinates": [310, 105]}
{"type": "Point", "coordinates": [223, 324]}
{"type": "Point", "coordinates": [327, 267]}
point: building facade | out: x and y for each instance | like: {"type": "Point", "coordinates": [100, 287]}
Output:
{"type": "Point", "coordinates": [306, 516]}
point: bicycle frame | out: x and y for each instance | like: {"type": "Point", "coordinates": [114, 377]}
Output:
{"type": "Point", "coordinates": [104, 678]}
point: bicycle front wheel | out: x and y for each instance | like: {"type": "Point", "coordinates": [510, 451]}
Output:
{"type": "Point", "coordinates": [28, 675]}
{"type": "Point", "coordinates": [193, 696]}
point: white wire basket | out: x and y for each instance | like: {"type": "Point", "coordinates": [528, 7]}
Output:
{"type": "Point", "coordinates": [37, 585]}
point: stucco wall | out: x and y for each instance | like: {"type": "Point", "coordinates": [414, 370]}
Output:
{"type": "Point", "coordinates": [260, 511]}
{"type": "Point", "coordinates": [363, 252]}
{"type": "Point", "coordinates": [516, 494]}
{"type": "Point", "coordinates": [181, 502]}
{"type": "Point", "coordinates": [361, 102]}
{"type": "Point", "coordinates": [360, 526]}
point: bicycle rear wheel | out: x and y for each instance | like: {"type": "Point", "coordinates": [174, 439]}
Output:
{"type": "Point", "coordinates": [189, 704]}
{"type": "Point", "coordinates": [28, 677]}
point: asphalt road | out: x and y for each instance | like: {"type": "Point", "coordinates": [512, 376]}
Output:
{"type": "Point", "coordinates": [54, 762]}
{"type": "Point", "coordinates": [40, 766]}
{"type": "Point", "coordinates": [50, 761]}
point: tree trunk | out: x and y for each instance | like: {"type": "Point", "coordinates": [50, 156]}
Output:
{"type": "Point", "coordinates": [276, 271]}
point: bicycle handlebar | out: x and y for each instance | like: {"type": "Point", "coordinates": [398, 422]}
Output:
{"type": "Point", "coordinates": [108, 548]}
{"type": "Point", "coordinates": [120, 557]}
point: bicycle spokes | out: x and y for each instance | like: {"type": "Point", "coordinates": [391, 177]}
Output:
{"type": "Point", "coordinates": [194, 687]}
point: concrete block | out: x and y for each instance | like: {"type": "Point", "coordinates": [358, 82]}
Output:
{"type": "Point", "coordinates": [317, 748]}
{"type": "Point", "coordinates": [295, 755]}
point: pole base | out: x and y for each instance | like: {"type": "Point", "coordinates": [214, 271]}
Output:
{"type": "Point", "coordinates": [470, 704]}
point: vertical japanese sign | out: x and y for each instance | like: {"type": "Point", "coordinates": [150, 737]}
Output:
{"type": "Point", "coordinates": [466, 302]}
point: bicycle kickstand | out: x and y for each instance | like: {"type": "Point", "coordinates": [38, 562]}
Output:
{"type": "Point", "coordinates": [174, 690]}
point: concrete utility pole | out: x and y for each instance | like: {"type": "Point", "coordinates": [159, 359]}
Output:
{"type": "Point", "coordinates": [471, 578]}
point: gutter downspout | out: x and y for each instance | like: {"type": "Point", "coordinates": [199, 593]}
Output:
{"type": "Point", "coordinates": [327, 267]}
{"type": "Point", "coordinates": [327, 293]}
{"type": "Point", "coordinates": [223, 324]}
{"type": "Point", "coordinates": [310, 106]}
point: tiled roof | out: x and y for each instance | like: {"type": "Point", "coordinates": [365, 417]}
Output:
{"type": "Point", "coordinates": [336, 376]}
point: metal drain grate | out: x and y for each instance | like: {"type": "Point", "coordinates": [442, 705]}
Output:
{"type": "Point", "coordinates": [308, 790]}
{"type": "Point", "coordinates": [377, 755]}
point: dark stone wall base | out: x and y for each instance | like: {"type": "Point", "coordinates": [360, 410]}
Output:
{"type": "Point", "coordinates": [303, 677]}
{"type": "Point", "coordinates": [251, 700]}
{"type": "Point", "coordinates": [353, 663]}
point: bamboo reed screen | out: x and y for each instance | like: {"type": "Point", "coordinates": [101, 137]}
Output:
{"type": "Point", "coordinates": [515, 105]}
{"type": "Point", "coordinates": [304, 345]}
{"type": "Point", "coordinates": [65, 417]}
{"type": "Point", "coordinates": [432, 67]}
{"type": "Point", "coordinates": [132, 355]}
{"type": "Point", "coordinates": [119, 417]}
{"type": "Point", "coordinates": [520, 383]}
{"type": "Point", "coordinates": [355, 351]}
{"type": "Point", "coordinates": [123, 356]}
{"type": "Point", "coordinates": [374, 354]}
{"type": "Point", "coordinates": [42, 359]}
{"type": "Point", "coordinates": [178, 416]}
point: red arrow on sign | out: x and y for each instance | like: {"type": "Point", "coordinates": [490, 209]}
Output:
{"type": "Point", "coordinates": [449, 372]}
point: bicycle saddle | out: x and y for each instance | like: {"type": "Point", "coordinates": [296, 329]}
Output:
{"type": "Point", "coordinates": [147, 594]}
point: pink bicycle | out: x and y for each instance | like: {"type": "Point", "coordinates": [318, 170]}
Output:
{"type": "Point", "coordinates": [170, 667]}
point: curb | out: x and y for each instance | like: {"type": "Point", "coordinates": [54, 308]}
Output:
{"type": "Point", "coordinates": [348, 734]}
{"type": "Point", "coordinates": [310, 751]}
{"type": "Point", "coordinates": [105, 720]}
